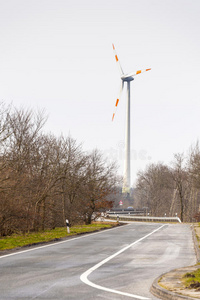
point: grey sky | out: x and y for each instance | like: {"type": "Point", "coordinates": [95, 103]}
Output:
{"type": "Point", "coordinates": [58, 55]}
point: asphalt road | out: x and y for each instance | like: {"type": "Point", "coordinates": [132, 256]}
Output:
{"type": "Point", "coordinates": [120, 263]}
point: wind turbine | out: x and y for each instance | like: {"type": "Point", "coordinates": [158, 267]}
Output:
{"type": "Point", "coordinates": [126, 78]}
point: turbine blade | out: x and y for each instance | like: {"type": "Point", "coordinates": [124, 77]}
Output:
{"type": "Point", "coordinates": [117, 101]}
{"type": "Point", "coordinates": [117, 60]}
{"type": "Point", "coordinates": [136, 73]}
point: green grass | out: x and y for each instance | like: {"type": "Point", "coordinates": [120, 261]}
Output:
{"type": "Point", "coordinates": [20, 240]}
{"type": "Point", "coordinates": [190, 278]}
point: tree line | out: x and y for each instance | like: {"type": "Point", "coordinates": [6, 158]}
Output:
{"type": "Point", "coordinates": [171, 189]}
{"type": "Point", "coordinates": [44, 179]}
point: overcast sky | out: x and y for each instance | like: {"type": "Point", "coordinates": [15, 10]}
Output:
{"type": "Point", "coordinates": [57, 55]}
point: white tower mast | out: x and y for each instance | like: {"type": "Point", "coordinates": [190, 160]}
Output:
{"type": "Point", "coordinates": [127, 165]}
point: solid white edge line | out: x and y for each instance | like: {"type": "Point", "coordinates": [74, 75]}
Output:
{"type": "Point", "coordinates": [58, 243]}
{"type": "Point", "coordinates": [84, 276]}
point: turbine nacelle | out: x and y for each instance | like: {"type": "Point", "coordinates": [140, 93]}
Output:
{"type": "Point", "coordinates": [127, 78]}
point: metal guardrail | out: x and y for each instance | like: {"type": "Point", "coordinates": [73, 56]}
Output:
{"type": "Point", "coordinates": [143, 218]}
{"type": "Point", "coordinates": [138, 213]}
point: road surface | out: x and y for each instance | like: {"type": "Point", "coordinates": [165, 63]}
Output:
{"type": "Point", "coordinates": [119, 263]}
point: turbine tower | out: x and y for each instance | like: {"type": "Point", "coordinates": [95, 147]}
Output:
{"type": "Point", "coordinates": [126, 78]}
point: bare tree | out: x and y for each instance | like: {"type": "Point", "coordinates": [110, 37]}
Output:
{"type": "Point", "coordinates": [181, 180]}
{"type": "Point", "coordinates": [100, 182]}
{"type": "Point", "coordinates": [193, 166]}
{"type": "Point", "coordinates": [153, 189]}
{"type": "Point", "coordinates": [73, 167]}
{"type": "Point", "coordinates": [24, 128]}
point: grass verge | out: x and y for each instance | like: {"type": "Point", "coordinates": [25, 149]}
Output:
{"type": "Point", "coordinates": [192, 280]}
{"type": "Point", "coordinates": [20, 240]}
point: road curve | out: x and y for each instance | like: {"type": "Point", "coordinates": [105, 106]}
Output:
{"type": "Point", "coordinates": [120, 263]}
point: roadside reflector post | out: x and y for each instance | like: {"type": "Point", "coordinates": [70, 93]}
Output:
{"type": "Point", "coordinates": [117, 218]}
{"type": "Point", "coordinates": [67, 223]}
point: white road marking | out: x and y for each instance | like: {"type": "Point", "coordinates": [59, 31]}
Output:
{"type": "Point", "coordinates": [62, 242]}
{"type": "Point", "coordinates": [84, 276]}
